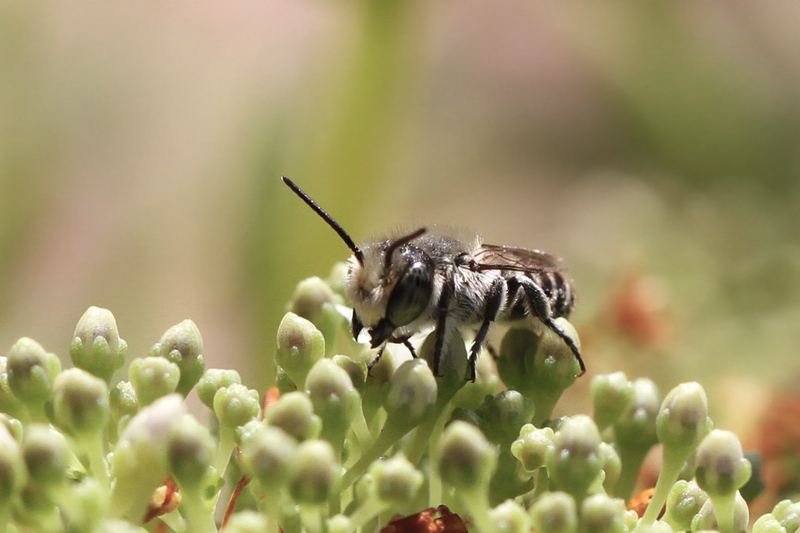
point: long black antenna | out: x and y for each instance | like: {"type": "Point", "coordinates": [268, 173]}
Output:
{"type": "Point", "coordinates": [327, 218]}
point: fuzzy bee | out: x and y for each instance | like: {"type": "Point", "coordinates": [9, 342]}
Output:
{"type": "Point", "coordinates": [404, 284]}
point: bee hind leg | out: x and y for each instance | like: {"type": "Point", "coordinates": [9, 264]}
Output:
{"type": "Point", "coordinates": [540, 306]}
{"type": "Point", "coordinates": [494, 298]}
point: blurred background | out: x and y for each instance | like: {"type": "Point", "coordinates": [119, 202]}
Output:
{"type": "Point", "coordinates": [655, 147]}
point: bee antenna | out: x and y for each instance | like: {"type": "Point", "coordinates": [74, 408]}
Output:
{"type": "Point", "coordinates": [400, 242]}
{"type": "Point", "coordinates": [327, 218]}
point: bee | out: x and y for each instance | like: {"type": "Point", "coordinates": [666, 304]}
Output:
{"type": "Point", "coordinates": [403, 284]}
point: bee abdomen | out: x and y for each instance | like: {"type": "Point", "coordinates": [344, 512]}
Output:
{"type": "Point", "coordinates": [558, 289]}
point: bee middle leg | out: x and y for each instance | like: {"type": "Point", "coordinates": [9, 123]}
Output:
{"type": "Point", "coordinates": [540, 306]}
{"type": "Point", "coordinates": [494, 298]}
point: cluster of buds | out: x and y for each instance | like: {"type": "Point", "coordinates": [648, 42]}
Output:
{"type": "Point", "coordinates": [335, 448]}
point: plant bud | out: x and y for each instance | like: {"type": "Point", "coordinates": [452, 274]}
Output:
{"type": "Point", "coordinates": [182, 344]}
{"type": "Point", "coordinates": [510, 517]}
{"type": "Point", "coordinates": [787, 513]}
{"type": "Point", "coordinates": [612, 395]}
{"type": "Point", "coordinates": [31, 372]}
{"type": "Point", "coordinates": [683, 419]}
{"type": "Point", "coordinates": [80, 402]}
{"type": "Point", "coordinates": [684, 501]}
{"type": "Point", "coordinates": [96, 345]}
{"type": "Point", "coordinates": [9, 404]}
{"type": "Point", "coordinates": [554, 512]}
{"type": "Point", "coordinates": [266, 456]}
{"type": "Point", "coordinates": [236, 405]}
{"type": "Point", "coordinates": [12, 468]}
{"type": "Point", "coordinates": [503, 414]}
{"type": "Point", "coordinates": [247, 522]}
{"type": "Point", "coordinates": [213, 380]}
{"type": "Point", "coordinates": [294, 413]}
{"type": "Point", "coordinates": [532, 446]}
{"type": "Point", "coordinates": [707, 518]}
{"type": "Point", "coordinates": [190, 451]}
{"type": "Point", "coordinates": [153, 378]}
{"type": "Point", "coordinates": [412, 392]}
{"type": "Point", "coordinates": [300, 345]}
{"type": "Point", "coordinates": [395, 481]}
{"type": "Point", "coordinates": [46, 456]}
{"type": "Point", "coordinates": [602, 514]}
{"type": "Point", "coordinates": [315, 473]}
{"type": "Point", "coordinates": [575, 460]}
{"type": "Point", "coordinates": [468, 459]}
{"type": "Point", "coordinates": [721, 466]}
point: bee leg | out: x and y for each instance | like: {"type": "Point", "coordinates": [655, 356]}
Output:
{"type": "Point", "coordinates": [376, 358]}
{"type": "Point", "coordinates": [494, 298]}
{"type": "Point", "coordinates": [540, 306]}
{"type": "Point", "coordinates": [404, 342]}
{"type": "Point", "coordinates": [441, 320]}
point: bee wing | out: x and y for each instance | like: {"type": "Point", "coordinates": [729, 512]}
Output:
{"type": "Point", "coordinates": [493, 257]}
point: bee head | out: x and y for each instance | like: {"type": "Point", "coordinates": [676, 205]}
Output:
{"type": "Point", "coordinates": [392, 287]}
{"type": "Point", "coordinates": [388, 283]}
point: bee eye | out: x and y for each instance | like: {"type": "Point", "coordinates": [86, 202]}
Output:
{"type": "Point", "coordinates": [411, 294]}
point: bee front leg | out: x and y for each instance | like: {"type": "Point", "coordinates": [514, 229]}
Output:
{"type": "Point", "coordinates": [494, 298]}
{"type": "Point", "coordinates": [540, 306]}
{"type": "Point", "coordinates": [441, 321]}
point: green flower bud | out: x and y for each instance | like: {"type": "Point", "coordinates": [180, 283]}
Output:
{"type": "Point", "coordinates": [294, 413]}
{"type": "Point", "coordinates": [637, 426]}
{"type": "Point", "coordinates": [190, 452]}
{"type": "Point", "coordinates": [96, 345]}
{"type": "Point", "coordinates": [247, 522]}
{"type": "Point", "coordinates": [80, 402]}
{"type": "Point", "coordinates": [315, 473]}
{"type": "Point", "coordinates": [721, 466]}
{"type": "Point", "coordinates": [236, 405]}
{"type": "Point", "coordinates": [768, 524]}
{"type": "Point", "coordinates": [9, 403]}
{"type": "Point", "coordinates": [87, 504]}
{"type": "Point", "coordinates": [612, 465]}
{"type": "Point", "coordinates": [140, 461]}
{"type": "Point", "coordinates": [708, 517]}
{"type": "Point", "coordinates": [335, 400]}
{"type": "Point", "coordinates": [395, 481]}
{"type": "Point", "coordinates": [13, 426]}
{"type": "Point", "coordinates": [12, 469]}
{"type": "Point", "coordinates": [510, 517]}
{"type": "Point", "coordinates": [453, 362]}
{"type": "Point", "coordinates": [183, 345]}
{"type": "Point", "coordinates": [602, 514]}
{"type": "Point", "coordinates": [412, 392]}
{"type": "Point", "coordinates": [541, 366]}
{"type": "Point", "coordinates": [310, 296]}
{"type": "Point", "coordinates": [46, 456]}
{"type": "Point", "coordinates": [153, 378]}
{"type": "Point", "coordinates": [532, 446]}
{"type": "Point", "coordinates": [635, 434]}
{"type": "Point", "coordinates": [266, 456]}
{"type": "Point", "coordinates": [787, 513]}
{"type": "Point", "coordinates": [213, 380]}
{"type": "Point", "coordinates": [31, 372]}
{"type": "Point", "coordinates": [355, 369]}
{"type": "Point", "coordinates": [503, 414]}
{"type": "Point", "coordinates": [575, 460]}
{"type": "Point", "coordinates": [554, 512]}
{"type": "Point", "coordinates": [337, 277]}
{"type": "Point", "coordinates": [124, 405]}
{"type": "Point", "coordinates": [683, 420]}
{"type": "Point", "coordinates": [612, 395]}
{"type": "Point", "coordinates": [684, 502]}
{"type": "Point", "coordinates": [468, 459]}
{"type": "Point", "coordinates": [300, 345]}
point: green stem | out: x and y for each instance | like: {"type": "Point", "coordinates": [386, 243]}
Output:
{"type": "Point", "coordinates": [671, 466]}
{"type": "Point", "coordinates": [724, 510]}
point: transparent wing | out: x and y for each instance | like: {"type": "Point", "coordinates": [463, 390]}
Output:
{"type": "Point", "coordinates": [493, 257]}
